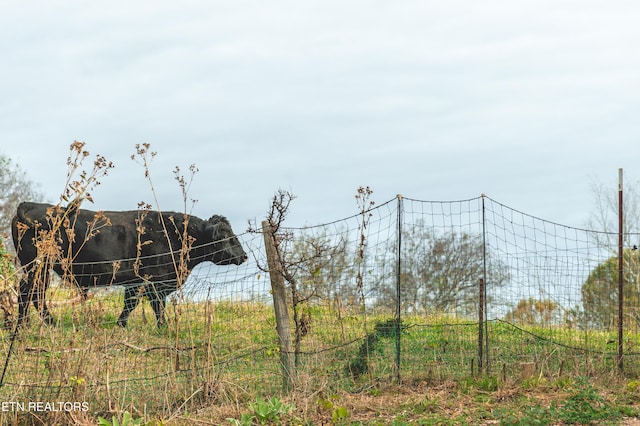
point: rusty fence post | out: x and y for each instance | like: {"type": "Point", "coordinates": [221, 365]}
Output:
{"type": "Point", "coordinates": [620, 275]}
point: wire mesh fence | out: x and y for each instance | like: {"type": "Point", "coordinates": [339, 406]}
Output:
{"type": "Point", "coordinates": [391, 293]}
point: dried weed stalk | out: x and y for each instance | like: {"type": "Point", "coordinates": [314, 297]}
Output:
{"type": "Point", "coordinates": [60, 221]}
{"type": "Point", "coordinates": [179, 255]}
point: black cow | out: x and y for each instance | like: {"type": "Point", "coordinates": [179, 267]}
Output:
{"type": "Point", "coordinates": [129, 248]}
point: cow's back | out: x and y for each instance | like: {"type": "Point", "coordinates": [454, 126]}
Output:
{"type": "Point", "coordinates": [135, 246]}
{"type": "Point", "coordinates": [104, 247]}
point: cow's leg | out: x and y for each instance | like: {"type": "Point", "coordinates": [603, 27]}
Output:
{"type": "Point", "coordinates": [156, 299]}
{"type": "Point", "coordinates": [41, 306]}
{"type": "Point", "coordinates": [158, 307]}
{"type": "Point", "coordinates": [32, 291]}
{"type": "Point", "coordinates": [39, 290]}
{"type": "Point", "coordinates": [23, 299]}
{"type": "Point", "coordinates": [131, 300]}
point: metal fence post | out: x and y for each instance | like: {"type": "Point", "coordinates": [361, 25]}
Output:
{"type": "Point", "coordinates": [480, 326]}
{"type": "Point", "coordinates": [620, 274]}
{"type": "Point", "coordinates": [483, 299]}
{"type": "Point", "coordinates": [398, 288]}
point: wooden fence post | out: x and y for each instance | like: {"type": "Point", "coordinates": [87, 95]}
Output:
{"type": "Point", "coordinates": [278, 291]}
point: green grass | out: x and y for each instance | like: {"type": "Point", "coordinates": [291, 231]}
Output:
{"type": "Point", "coordinates": [226, 354]}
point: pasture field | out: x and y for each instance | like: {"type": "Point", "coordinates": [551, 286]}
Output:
{"type": "Point", "coordinates": [218, 363]}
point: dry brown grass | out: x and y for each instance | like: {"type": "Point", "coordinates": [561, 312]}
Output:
{"type": "Point", "coordinates": [419, 402]}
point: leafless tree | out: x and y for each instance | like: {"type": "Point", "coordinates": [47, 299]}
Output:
{"type": "Point", "coordinates": [441, 272]}
{"type": "Point", "coordinates": [15, 187]}
{"type": "Point", "coordinates": [322, 262]}
{"type": "Point", "coordinates": [604, 217]}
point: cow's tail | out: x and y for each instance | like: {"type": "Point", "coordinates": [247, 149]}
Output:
{"type": "Point", "coordinates": [21, 213]}
{"type": "Point", "coordinates": [26, 208]}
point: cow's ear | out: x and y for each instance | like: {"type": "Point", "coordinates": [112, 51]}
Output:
{"type": "Point", "coordinates": [216, 219]}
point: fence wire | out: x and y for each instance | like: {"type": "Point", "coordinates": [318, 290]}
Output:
{"type": "Point", "coordinates": [549, 301]}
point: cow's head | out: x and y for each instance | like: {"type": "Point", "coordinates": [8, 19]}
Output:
{"type": "Point", "coordinates": [226, 247]}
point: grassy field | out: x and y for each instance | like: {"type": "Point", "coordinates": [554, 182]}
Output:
{"type": "Point", "coordinates": [218, 363]}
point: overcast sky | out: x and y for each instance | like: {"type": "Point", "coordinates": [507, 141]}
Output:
{"type": "Point", "coordinates": [529, 102]}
